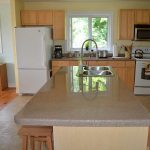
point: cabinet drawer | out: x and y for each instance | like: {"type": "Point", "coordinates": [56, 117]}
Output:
{"type": "Point", "coordinates": [130, 64]}
{"type": "Point", "coordinates": [60, 63]}
{"type": "Point", "coordinates": [73, 63]}
{"type": "Point", "coordinates": [97, 63]}
{"type": "Point", "coordinates": [116, 64]}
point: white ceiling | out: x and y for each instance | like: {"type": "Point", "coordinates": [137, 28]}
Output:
{"type": "Point", "coordinates": [82, 0]}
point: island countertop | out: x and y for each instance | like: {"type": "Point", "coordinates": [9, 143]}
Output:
{"type": "Point", "coordinates": [68, 100]}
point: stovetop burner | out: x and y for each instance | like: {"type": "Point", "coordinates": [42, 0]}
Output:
{"type": "Point", "coordinates": [146, 50]}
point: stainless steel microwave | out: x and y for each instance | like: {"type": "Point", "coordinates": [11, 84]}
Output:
{"type": "Point", "coordinates": [142, 32]}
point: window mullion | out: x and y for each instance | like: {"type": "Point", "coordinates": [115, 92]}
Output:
{"type": "Point", "coordinates": [71, 32]}
{"type": "Point", "coordinates": [90, 29]}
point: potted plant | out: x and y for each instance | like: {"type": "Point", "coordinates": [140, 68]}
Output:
{"type": "Point", "coordinates": [87, 44]}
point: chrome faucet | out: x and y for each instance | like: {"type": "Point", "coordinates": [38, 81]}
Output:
{"type": "Point", "coordinates": [81, 54]}
{"type": "Point", "coordinates": [83, 45]}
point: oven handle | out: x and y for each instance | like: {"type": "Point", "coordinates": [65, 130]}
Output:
{"type": "Point", "coordinates": [146, 64]}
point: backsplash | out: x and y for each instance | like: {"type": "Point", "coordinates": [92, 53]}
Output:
{"type": "Point", "coordinates": [129, 42]}
{"type": "Point", "coordinates": [119, 44]}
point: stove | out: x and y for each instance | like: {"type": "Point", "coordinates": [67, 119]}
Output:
{"type": "Point", "coordinates": [142, 71]}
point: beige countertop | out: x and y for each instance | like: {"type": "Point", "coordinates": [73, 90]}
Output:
{"type": "Point", "coordinates": [93, 59]}
{"type": "Point", "coordinates": [68, 100]}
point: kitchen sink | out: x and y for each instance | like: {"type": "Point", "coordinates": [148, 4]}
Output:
{"type": "Point", "coordinates": [95, 71]}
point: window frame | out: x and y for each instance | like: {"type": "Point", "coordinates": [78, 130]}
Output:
{"type": "Point", "coordinates": [1, 49]}
{"type": "Point", "coordinates": [90, 15]}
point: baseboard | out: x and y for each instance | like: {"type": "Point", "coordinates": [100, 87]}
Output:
{"type": "Point", "coordinates": [11, 85]}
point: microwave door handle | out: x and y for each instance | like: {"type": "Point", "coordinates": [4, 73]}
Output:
{"type": "Point", "coordinates": [135, 34]}
{"type": "Point", "coordinates": [148, 64]}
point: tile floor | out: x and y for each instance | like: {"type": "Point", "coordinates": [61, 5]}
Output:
{"type": "Point", "coordinates": [9, 140]}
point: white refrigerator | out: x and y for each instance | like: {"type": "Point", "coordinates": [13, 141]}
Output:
{"type": "Point", "coordinates": [33, 51]}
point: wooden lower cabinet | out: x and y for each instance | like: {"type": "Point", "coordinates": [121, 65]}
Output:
{"type": "Point", "coordinates": [3, 77]}
{"type": "Point", "coordinates": [98, 63]}
{"type": "Point", "coordinates": [120, 72]}
{"type": "Point", "coordinates": [124, 69]}
{"type": "Point", "coordinates": [129, 74]}
{"type": "Point", "coordinates": [74, 63]}
{"type": "Point", "coordinates": [56, 65]}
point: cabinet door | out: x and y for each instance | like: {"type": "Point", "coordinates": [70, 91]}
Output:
{"type": "Point", "coordinates": [116, 64]}
{"type": "Point", "coordinates": [54, 70]}
{"type": "Point", "coordinates": [126, 24]}
{"type": "Point", "coordinates": [56, 65]}
{"type": "Point", "coordinates": [121, 73]}
{"type": "Point", "coordinates": [129, 74]}
{"type": "Point", "coordinates": [45, 17]}
{"type": "Point", "coordinates": [28, 17]}
{"type": "Point", "coordinates": [58, 25]}
{"type": "Point", "coordinates": [74, 63]}
{"type": "Point", "coordinates": [142, 16]}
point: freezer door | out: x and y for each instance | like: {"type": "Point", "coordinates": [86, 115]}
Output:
{"type": "Point", "coordinates": [33, 47]}
{"type": "Point", "coordinates": [30, 81]}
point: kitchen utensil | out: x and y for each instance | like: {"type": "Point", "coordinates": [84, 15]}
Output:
{"type": "Point", "coordinates": [102, 53]}
{"type": "Point", "coordinates": [128, 50]}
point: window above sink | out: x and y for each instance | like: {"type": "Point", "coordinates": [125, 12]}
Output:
{"type": "Point", "coordinates": [93, 25]}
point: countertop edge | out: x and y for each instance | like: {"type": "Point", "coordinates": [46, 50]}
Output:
{"type": "Point", "coordinates": [85, 123]}
{"type": "Point", "coordinates": [93, 59]}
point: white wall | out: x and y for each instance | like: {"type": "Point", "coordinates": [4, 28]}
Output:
{"type": "Point", "coordinates": [7, 42]}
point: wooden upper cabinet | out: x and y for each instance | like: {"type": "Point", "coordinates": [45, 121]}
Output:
{"type": "Point", "coordinates": [28, 17]}
{"type": "Point", "coordinates": [126, 24]}
{"type": "Point", "coordinates": [58, 25]}
{"type": "Point", "coordinates": [142, 16]}
{"type": "Point", "coordinates": [129, 17]}
{"type": "Point", "coordinates": [45, 17]}
{"type": "Point", "coordinates": [36, 17]}
{"type": "Point", "coordinates": [54, 18]}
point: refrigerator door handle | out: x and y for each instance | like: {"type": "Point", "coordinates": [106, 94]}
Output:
{"type": "Point", "coordinates": [43, 52]}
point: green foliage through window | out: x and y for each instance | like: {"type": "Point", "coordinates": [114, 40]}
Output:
{"type": "Point", "coordinates": [94, 27]}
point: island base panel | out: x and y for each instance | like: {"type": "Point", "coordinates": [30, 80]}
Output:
{"type": "Point", "coordinates": [100, 138]}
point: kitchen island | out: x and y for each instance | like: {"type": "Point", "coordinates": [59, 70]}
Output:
{"type": "Point", "coordinates": [89, 113]}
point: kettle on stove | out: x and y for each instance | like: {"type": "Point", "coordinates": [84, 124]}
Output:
{"type": "Point", "coordinates": [138, 54]}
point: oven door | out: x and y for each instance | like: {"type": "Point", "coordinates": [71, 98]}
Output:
{"type": "Point", "coordinates": [142, 77]}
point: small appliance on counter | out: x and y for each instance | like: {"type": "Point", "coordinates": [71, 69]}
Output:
{"type": "Point", "coordinates": [58, 51]}
{"type": "Point", "coordinates": [102, 53]}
